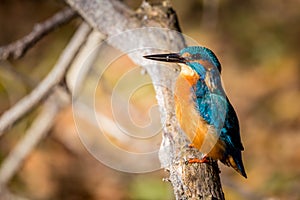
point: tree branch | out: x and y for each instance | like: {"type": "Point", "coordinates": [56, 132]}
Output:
{"type": "Point", "coordinates": [192, 181]}
{"type": "Point", "coordinates": [56, 75]}
{"type": "Point", "coordinates": [18, 48]}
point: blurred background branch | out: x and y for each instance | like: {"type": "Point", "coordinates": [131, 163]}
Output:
{"type": "Point", "coordinates": [25, 105]}
{"type": "Point", "coordinates": [18, 48]}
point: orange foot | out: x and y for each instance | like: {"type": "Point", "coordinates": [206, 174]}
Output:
{"type": "Point", "coordinates": [196, 160]}
{"type": "Point", "coordinates": [191, 145]}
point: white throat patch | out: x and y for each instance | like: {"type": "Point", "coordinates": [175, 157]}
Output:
{"type": "Point", "coordinates": [186, 70]}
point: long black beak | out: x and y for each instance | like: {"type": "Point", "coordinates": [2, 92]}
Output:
{"type": "Point", "coordinates": [171, 57]}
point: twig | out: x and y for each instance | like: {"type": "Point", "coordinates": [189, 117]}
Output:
{"type": "Point", "coordinates": [18, 48]}
{"type": "Point", "coordinates": [44, 88]}
{"type": "Point", "coordinates": [39, 128]}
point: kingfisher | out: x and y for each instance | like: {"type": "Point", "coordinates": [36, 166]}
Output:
{"type": "Point", "coordinates": [202, 108]}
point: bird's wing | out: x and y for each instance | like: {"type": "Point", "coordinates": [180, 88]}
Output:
{"type": "Point", "coordinates": [231, 130]}
{"type": "Point", "coordinates": [211, 100]}
{"type": "Point", "coordinates": [217, 111]}
{"type": "Point", "coordinates": [213, 109]}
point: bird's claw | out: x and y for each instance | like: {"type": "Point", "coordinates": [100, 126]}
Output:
{"type": "Point", "coordinates": [191, 145]}
{"type": "Point", "coordinates": [196, 160]}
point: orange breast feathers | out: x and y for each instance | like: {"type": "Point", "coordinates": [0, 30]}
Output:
{"type": "Point", "coordinates": [200, 133]}
{"type": "Point", "coordinates": [186, 110]}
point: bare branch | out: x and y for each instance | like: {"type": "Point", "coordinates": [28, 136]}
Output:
{"type": "Point", "coordinates": [77, 69]}
{"type": "Point", "coordinates": [18, 48]}
{"type": "Point", "coordinates": [39, 128]}
{"type": "Point", "coordinates": [44, 88]}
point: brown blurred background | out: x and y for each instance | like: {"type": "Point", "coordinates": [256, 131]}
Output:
{"type": "Point", "coordinates": [258, 44]}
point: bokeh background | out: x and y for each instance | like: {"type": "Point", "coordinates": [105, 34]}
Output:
{"type": "Point", "coordinates": [258, 44]}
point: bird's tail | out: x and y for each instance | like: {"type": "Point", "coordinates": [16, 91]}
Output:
{"type": "Point", "coordinates": [235, 161]}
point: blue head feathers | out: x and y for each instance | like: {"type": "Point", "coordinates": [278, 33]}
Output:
{"type": "Point", "coordinates": [201, 53]}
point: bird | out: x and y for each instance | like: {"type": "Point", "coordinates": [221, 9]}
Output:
{"type": "Point", "coordinates": [202, 108]}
